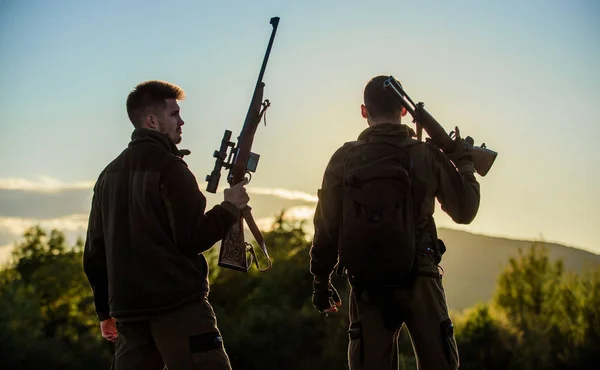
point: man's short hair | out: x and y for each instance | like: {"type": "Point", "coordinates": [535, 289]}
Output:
{"type": "Point", "coordinates": [381, 101]}
{"type": "Point", "coordinates": [150, 95]}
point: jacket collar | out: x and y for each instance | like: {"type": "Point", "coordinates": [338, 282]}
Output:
{"type": "Point", "coordinates": [386, 130]}
{"type": "Point", "coordinates": [144, 135]}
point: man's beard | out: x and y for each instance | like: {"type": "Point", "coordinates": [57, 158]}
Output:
{"type": "Point", "coordinates": [162, 128]}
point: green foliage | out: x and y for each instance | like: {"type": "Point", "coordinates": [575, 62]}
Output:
{"type": "Point", "coordinates": [47, 317]}
{"type": "Point", "coordinates": [587, 338]}
{"type": "Point", "coordinates": [528, 286]}
{"type": "Point", "coordinates": [526, 293]}
{"type": "Point", "coordinates": [484, 340]}
{"type": "Point", "coordinates": [541, 316]}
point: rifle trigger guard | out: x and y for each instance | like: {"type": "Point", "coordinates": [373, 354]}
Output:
{"type": "Point", "coordinates": [250, 249]}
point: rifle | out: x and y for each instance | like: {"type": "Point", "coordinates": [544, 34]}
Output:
{"type": "Point", "coordinates": [233, 246]}
{"type": "Point", "coordinates": [483, 158]}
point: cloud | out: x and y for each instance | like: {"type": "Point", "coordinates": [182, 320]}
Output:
{"type": "Point", "coordinates": [298, 213]}
{"type": "Point", "coordinates": [43, 198]}
{"type": "Point", "coordinates": [17, 225]}
{"type": "Point", "coordinates": [5, 253]}
{"type": "Point", "coordinates": [284, 194]}
{"type": "Point", "coordinates": [44, 204]}
{"type": "Point", "coordinates": [44, 184]}
{"type": "Point", "coordinates": [13, 228]}
{"type": "Point", "coordinates": [23, 200]}
{"type": "Point", "coordinates": [54, 204]}
{"type": "Point", "coordinates": [48, 197]}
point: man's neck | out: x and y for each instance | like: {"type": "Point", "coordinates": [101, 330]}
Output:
{"type": "Point", "coordinates": [378, 121]}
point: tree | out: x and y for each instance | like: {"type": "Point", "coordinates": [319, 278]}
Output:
{"type": "Point", "coordinates": [526, 292]}
{"type": "Point", "coordinates": [588, 355]}
{"type": "Point", "coordinates": [46, 309]}
{"type": "Point", "coordinates": [541, 317]}
{"type": "Point", "coordinates": [484, 340]}
{"type": "Point", "coordinates": [555, 314]}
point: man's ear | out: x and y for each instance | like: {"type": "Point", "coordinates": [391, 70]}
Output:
{"type": "Point", "coordinates": [363, 111]}
{"type": "Point", "coordinates": [404, 111]}
{"type": "Point", "coordinates": [151, 122]}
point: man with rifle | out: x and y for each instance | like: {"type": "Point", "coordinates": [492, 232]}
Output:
{"type": "Point", "coordinates": [143, 252]}
{"type": "Point", "coordinates": [374, 218]}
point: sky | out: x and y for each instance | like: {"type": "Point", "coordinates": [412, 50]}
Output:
{"type": "Point", "coordinates": [521, 76]}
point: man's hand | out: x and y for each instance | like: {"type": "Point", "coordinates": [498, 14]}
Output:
{"type": "Point", "coordinates": [462, 148]}
{"type": "Point", "coordinates": [237, 194]}
{"type": "Point", "coordinates": [325, 297]}
{"type": "Point", "coordinates": [108, 328]}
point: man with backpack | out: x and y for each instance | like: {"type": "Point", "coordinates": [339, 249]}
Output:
{"type": "Point", "coordinates": [375, 217]}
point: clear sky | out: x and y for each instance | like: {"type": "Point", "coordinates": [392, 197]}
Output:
{"type": "Point", "coordinates": [521, 76]}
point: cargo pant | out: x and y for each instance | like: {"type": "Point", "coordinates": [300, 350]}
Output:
{"type": "Point", "coordinates": [186, 338]}
{"type": "Point", "coordinates": [377, 316]}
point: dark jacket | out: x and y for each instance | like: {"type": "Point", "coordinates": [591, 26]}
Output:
{"type": "Point", "coordinates": [147, 230]}
{"type": "Point", "coordinates": [435, 176]}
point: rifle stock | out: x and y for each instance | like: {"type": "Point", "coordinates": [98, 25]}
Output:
{"type": "Point", "coordinates": [483, 158]}
{"type": "Point", "coordinates": [241, 162]}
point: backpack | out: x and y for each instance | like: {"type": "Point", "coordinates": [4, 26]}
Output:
{"type": "Point", "coordinates": [377, 230]}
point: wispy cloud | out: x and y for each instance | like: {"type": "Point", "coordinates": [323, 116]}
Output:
{"type": "Point", "coordinates": [50, 184]}
{"type": "Point", "coordinates": [13, 228]}
{"type": "Point", "coordinates": [43, 184]}
{"type": "Point", "coordinates": [284, 194]}
{"type": "Point", "coordinates": [55, 204]}
{"type": "Point", "coordinates": [299, 213]}
{"type": "Point", "coordinates": [5, 253]}
{"type": "Point", "coordinates": [17, 225]}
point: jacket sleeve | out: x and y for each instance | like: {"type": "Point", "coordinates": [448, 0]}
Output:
{"type": "Point", "coordinates": [324, 249]}
{"type": "Point", "coordinates": [458, 190]}
{"type": "Point", "coordinates": [94, 260]}
{"type": "Point", "coordinates": [195, 231]}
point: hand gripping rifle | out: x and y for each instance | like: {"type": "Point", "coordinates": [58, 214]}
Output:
{"type": "Point", "coordinates": [483, 158]}
{"type": "Point", "coordinates": [233, 245]}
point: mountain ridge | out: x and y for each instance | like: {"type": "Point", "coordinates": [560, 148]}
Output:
{"type": "Point", "coordinates": [522, 240]}
{"type": "Point", "coordinates": [473, 262]}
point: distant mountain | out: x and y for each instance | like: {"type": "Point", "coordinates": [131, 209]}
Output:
{"type": "Point", "coordinates": [473, 262]}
